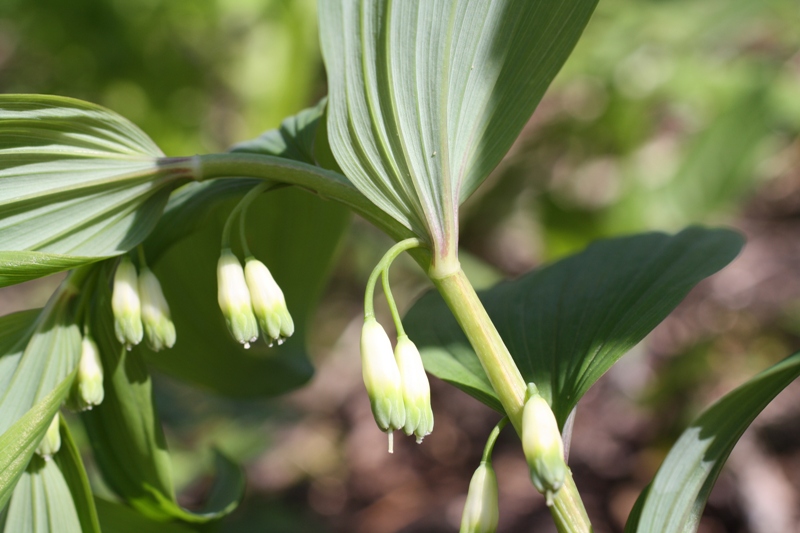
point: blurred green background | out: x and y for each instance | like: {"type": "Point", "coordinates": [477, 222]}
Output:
{"type": "Point", "coordinates": [669, 113]}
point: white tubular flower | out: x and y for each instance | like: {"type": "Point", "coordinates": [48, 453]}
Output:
{"type": "Point", "coordinates": [481, 512]}
{"type": "Point", "coordinates": [51, 442]}
{"type": "Point", "coordinates": [268, 302]}
{"type": "Point", "coordinates": [158, 326]}
{"type": "Point", "coordinates": [88, 388]}
{"type": "Point", "coordinates": [381, 377]}
{"type": "Point", "coordinates": [542, 444]}
{"type": "Point", "coordinates": [416, 389]}
{"type": "Point", "coordinates": [126, 305]}
{"type": "Point", "coordinates": [234, 299]}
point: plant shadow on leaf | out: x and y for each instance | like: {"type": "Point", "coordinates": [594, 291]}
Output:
{"type": "Point", "coordinates": [567, 323]}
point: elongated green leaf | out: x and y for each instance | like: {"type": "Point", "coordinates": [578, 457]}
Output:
{"type": "Point", "coordinates": [18, 443]}
{"type": "Point", "coordinates": [36, 358]}
{"type": "Point", "coordinates": [296, 236]}
{"type": "Point", "coordinates": [677, 496]}
{"type": "Point", "coordinates": [41, 502]}
{"type": "Point", "coordinates": [427, 97]}
{"type": "Point", "coordinates": [294, 139]}
{"type": "Point", "coordinates": [117, 518]}
{"type": "Point", "coordinates": [126, 435]}
{"type": "Point", "coordinates": [79, 183]}
{"type": "Point", "coordinates": [568, 323]}
{"type": "Point", "coordinates": [71, 466]}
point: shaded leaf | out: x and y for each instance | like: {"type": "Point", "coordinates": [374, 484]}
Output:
{"type": "Point", "coordinates": [427, 97]}
{"type": "Point", "coordinates": [294, 234]}
{"type": "Point", "coordinates": [566, 324]}
{"type": "Point", "coordinates": [126, 435]}
{"type": "Point", "coordinates": [117, 518]}
{"type": "Point", "coordinates": [675, 500]}
{"type": "Point", "coordinates": [294, 139]}
{"type": "Point", "coordinates": [71, 466]}
{"type": "Point", "coordinates": [80, 183]}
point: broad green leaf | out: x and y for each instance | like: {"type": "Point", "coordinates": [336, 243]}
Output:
{"type": "Point", "coordinates": [117, 518]}
{"type": "Point", "coordinates": [79, 183]}
{"type": "Point", "coordinates": [566, 324]}
{"type": "Point", "coordinates": [294, 139]}
{"type": "Point", "coordinates": [126, 435]}
{"type": "Point", "coordinates": [36, 355]}
{"type": "Point", "coordinates": [427, 97]}
{"type": "Point", "coordinates": [71, 466]}
{"type": "Point", "coordinates": [294, 234]}
{"type": "Point", "coordinates": [41, 502]}
{"type": "Point", "coordinates": [674, 501]}
{"type": "Point", "coordinates": [18, 443]}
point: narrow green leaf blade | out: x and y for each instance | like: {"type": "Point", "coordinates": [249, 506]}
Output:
{"type": "Point", "coordinates": [567, 323]}
{"type": "Point", "coordinates": [18, 443]}
{"type": "Point", "coordinates": [79, 183]}
{"type": "Point", "coordinates": [71, 466]}
{"type": "Point", "coordinates": [677, 496]}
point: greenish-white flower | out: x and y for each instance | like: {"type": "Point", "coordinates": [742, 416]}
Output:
{"type": "Point", "coordinates": [268, 302]}
{"type": "Point", "coordinates": [542, 444]}
{"type": "Point", "coordinates": [481, 512]}
{"type": "Point", "coordinates": [126, 305]}
{"type": "Point", "coordinates": [51, 442]}
{"type": "Point", "coordinates": [381, 377]}
{"type": "Point", "coordinates": [88, 386]}
{"type": "Point", "coordinates": [416, 389]}
{"type": "Point", "coordinates": [158, 326]}
{"type": "Point", "coordinates": [234, 299]}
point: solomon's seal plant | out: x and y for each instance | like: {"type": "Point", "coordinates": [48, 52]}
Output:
{"type": "Point", "coordinates": [425, 99]}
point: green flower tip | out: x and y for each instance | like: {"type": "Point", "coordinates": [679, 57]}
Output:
{"type": "Point", "coordinates": [51, 442]}
{"type": "Point", "coordinates": [416, 389]}
{"type": "Point", "coordinates": [382, 377]}
{"type": "Point", "coordinates": [87, 390]}
{"type": "Point", "coordinates": [481, 513]}
{"type": "Point", "coordinates": [234, 299]}
{"type": "Point", "coordinates": [268, 302]}
{"type": "Point", "coordinates": [543, 447]}
{"type": "Point", "coordinates": [158, 326]}
{"type": "Point", "coordinates": [126, 305]}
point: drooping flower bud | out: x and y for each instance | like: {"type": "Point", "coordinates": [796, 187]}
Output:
{"type": "Point", "coordinates": [158, 326]}
{"type": "Point", "coordinates": [416, 389]}
{"type": "Point", "coordinates": [268, 302]}
{"type": "Point", "coordinates": [481, 512]}
{"type": "Point", "coordinates": [381, 377]}
{"type": "Point", "coordinates": [87, 390]}
{"type": "Point", "coordinates": [542, 444]}
{"type": "Point", "coordinates": [126, 305]}
{"type": "Point", "coordinates": [51, 442]}
{"type": "Point", "coordinates": [234, 299]}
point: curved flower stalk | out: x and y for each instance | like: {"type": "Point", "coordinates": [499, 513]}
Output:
{"type": "Point", "coordinates": [481, 513]}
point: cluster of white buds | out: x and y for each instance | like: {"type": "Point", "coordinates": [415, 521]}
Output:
{"type": "Point", "coordinates": [396, 383]}
{"type": "Point", "coordinates": [87, 390]}
{"type": "Point", "coordinates": [481, 512]}
{"type": "Point", "coordinates": [542, 444]}
{"type": "Point", "coordinates": [51, 442]}
{"type": "Point", "coordinates": [249, 297]}
{"type": "Point", "coordinates": [140, 307]}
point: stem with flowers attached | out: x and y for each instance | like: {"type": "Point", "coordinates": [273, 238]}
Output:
{"type": "Point", "coordinates": [567, 510]}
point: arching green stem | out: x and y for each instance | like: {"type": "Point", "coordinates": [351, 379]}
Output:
{"type": "Point", "coordinates": [487, 451]}
{"type": "Point", "coordinates": [240, 209]}
{"type": "Point", "coordinates": [383, 264]}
